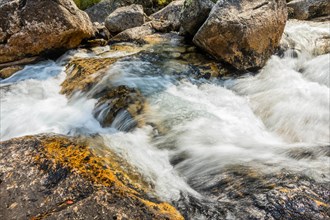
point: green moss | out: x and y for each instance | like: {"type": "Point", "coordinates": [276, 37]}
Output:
{"type": "Point", "coordinates": [83, 4]}
{"type": "Point", "coordinates": [162, 2]}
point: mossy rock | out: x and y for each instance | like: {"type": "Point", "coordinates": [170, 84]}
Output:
{"type": "Point", "coordinates": [83, 4]}
{"type": "Point", "coordinates": [59, 177]}
{"type": "Point", "coordinates": [162, 2]}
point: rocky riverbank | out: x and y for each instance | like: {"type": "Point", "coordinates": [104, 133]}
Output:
{"type": "Point", "coordinates": [130, 77]}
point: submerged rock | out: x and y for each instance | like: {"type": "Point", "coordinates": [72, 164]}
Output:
{"type": "Point", "coordinates": [58, 25]}
{"type": "Point", "coordinates": [170, 13]}
{"type": "Point", "coordinates": [124, 18]}
{"type": "Point", "coordinates": [82, 74]}
{"type": "Point", "coordinates": [242, 192]}
{"type": "Point", "coordinates": [59, 177]}
{"type": "Point", "coordinates": [120, 105]}
{"type": "Point", "coordinates": [194, 14]}
{"type": "Point", "coordinates": [315, 44]}
{"type": "Point", "coordinates": [243, 33]}
{"type": "Point", "coordinates": [307, 9]}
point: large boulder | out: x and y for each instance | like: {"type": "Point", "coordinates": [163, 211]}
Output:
{"type": "Point", "coordinates": [135, 34]}
{"type": "Point", "coordinates": [170, 13]}
{"type": "Point", "coordinates": [33, 27]}
{"type": "Point", "coordinates": [99, 12]}
{"type": "Point", "coordinates": [60, 177]}
{"type": "Point", "coordinates": [124, 18]}
{"type": "Point", "coordinates": [307, 9]}
{"type": "Point", "coordinates": [244, 33]}
{"type": "Point", "coordinates": [194, 14]}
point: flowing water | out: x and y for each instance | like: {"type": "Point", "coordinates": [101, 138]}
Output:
{"type": "Point", "coordinates": [203, 126]}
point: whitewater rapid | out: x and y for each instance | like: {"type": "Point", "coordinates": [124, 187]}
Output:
{"type": "Point", "coordinates": [202, 126]}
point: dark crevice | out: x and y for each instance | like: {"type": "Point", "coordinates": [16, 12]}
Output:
{"type": "Point", "coordinates": [21, 4]}
{"type": "Point", "coordinates": [259, 6]}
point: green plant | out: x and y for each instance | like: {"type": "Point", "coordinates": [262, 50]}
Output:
{"type": "Point", "coordinates": [83, 4]}
{"type": "Point", "coordinates": [162, 2]}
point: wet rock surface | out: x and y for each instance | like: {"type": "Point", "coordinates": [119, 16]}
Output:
{"type": "Point", "coordinates": [82, 73]}
{"type": "Point", "coordinates": [59, 25]}
{"type": "Point", "coordinates": [320, 44]}
{"type": "Point", "coordinates": [54, 177]}
{"type": "Point", "coordinates": [241, 192]}
{"type": "Point", "coordinates": [121, 106]}
{"type": "Point", "coordinates": [9, 71]}
{"type": "Point", "coordinates": [120, 102]}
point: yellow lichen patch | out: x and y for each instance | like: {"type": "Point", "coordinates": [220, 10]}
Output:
{"type": "Point", "coordinates": [9, 71]}
{"type": "Point", "coordinates": [82, 160]}
{"type": "Point", "coordinates": [164, 209]}
{"type": "Point", "coordinates": [155, 39]}
{"type": "Point", "coordinates": [284, 190]}
{"type": "Point", "coordinates": [103, 171]}
{"type": "Point", "coordinates": [128, 48]}
{"type": "Point", "coordinates": [319, 203]}
{"type": "Point", "coordinates": [82, 73]}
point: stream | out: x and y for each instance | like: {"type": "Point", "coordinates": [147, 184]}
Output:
{"type": "Point", "coordinates": [204, 127]}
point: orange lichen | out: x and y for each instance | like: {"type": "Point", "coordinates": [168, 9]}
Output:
{"type": "Point", "coordinates": [103, 171]}
{"type": "Point", "coordinates": [128, 48]}
{"type": "Point", "coordinates": [320, 203]}
{"type": "Point", "coordinates": [164, 209]}
{"type": "Point", "coordinates": [155, 39]}
{"type": "Point", "coordinates": [82, 73]}
{"type": "Point", "coordinates": [82, 160]}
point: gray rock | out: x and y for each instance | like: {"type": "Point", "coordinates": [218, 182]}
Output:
{"type": "Point", "coordinates": [194, 14]}
{"type": "Point", "coordinates": [56, 25]}
{"type": "Point", "coordinates": [162, 26]}
{"type": "Point", "coordinates": [99, 12]}
{"type": "Point", "coordinates": [124, 18]}
{"type": "Point", "coordinates": [244, 33]}
{"type": "Point", "coordinates": [170, 13]}
{"type": "Point", "coordinates": [134, 34]}
{"type": "Point", "coordinates": [242, 192]}
{"type": "Point", "coordinates": [307, 9]}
